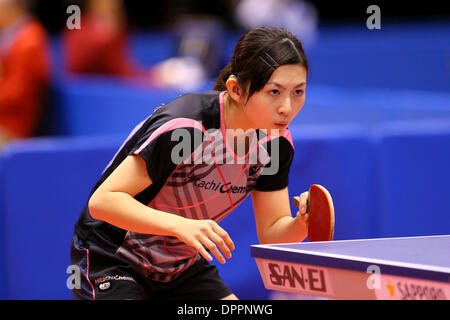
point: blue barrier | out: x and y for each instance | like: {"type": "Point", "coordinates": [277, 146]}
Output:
{"type": "Point", "coordinates": [45, 185]}
{"type": "Point", "coordinates": [395, 57]}
{"type": "Point", "coordinates": [370, 106]}
{"type": "Point", "coordinates": [102, 106]}
{"type": "Point", "coordinates": [97, 105]}
{"type": "Point", "coordinates": [413, 178]}
{"type": "Point", "coordinates": [339, 157]}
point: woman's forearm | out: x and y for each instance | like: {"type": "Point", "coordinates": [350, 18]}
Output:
{"type": "Point", "coordinates": [285, 230]}
{"type": "Point", "coordinates": [123, 211]}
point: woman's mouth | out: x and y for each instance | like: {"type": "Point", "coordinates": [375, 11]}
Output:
{"type": "Point", "coordinates": [281, 124]}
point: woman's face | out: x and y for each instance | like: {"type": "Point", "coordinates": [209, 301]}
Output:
{"type": "Point", "coordinates": [275, 105]}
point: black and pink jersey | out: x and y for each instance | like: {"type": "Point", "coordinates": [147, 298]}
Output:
{"type": "Point", "coordinates": [195, 173]}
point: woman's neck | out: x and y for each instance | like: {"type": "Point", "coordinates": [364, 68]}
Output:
{"type": "Point", "coordinates": [235, 117]}
{"type": "Point", "coordinates": [237, 126]}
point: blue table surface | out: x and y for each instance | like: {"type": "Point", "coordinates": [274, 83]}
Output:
{"type": "Point", "coordinates": [432, 251]}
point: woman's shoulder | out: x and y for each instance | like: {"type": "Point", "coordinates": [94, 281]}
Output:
{"type": "Point", "coordinates": [202, 106]}
{"type": "Point", "coordinates": [197, 99]}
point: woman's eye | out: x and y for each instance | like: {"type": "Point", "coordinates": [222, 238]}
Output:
{"type": "Point", "coordinates": [274, 92]}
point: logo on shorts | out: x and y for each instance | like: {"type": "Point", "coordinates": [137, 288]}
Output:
{"type": "Point", "coordinates": [104, 286]}
{"type": "Point", "coordinates": [116, 278]}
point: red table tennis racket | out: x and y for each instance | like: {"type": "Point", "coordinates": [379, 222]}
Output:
{"type": "Point", "coordinates": [321, 213]}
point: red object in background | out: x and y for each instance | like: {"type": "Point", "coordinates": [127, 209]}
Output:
{"type": "Point", "coordinates": [24, 77]}
{"type": "Point", "coordinates": [99, 47]}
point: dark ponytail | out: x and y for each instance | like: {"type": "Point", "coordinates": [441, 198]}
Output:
{"type": "Point", "coordinates": [258, 53]}
{"type": "Point", "coordinates": [222, 78]}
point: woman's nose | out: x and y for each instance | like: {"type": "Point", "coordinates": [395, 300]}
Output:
{"type": "Point", "coordinates": [286, 107]}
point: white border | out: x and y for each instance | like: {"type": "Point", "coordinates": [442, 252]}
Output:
{"type": "Point", "coordinates": [362, 259]}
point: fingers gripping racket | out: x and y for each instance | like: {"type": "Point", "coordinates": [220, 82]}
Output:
{"type": "Point", "coordinates": [321, 213]}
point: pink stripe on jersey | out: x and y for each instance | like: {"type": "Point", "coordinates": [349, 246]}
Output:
{"type": "Point", "coordinates": [181, 123]}
{"type": "Point", "coordinates": [87, 274]}
{"type": "Point", "coordinates": [171, 125]}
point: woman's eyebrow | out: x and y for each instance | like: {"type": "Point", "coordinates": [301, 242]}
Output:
{"type": "Point", "coordinates": [281, 86]}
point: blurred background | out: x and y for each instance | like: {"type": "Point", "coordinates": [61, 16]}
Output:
{"type": "Point", "coordinates": [77, 76]}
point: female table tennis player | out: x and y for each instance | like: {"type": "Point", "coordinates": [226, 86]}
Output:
{"type": "Point", "coordinates": [150, 226]}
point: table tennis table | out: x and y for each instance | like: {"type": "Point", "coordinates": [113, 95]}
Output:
{"type": "Point", "coordinates": [368, 269]}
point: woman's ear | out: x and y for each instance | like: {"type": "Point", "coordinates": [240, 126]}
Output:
{"type": "Point", "coordinates": [235, 90]}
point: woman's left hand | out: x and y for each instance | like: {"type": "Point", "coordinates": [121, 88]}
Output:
{"type": "Point", "coordinates": [302, 215]}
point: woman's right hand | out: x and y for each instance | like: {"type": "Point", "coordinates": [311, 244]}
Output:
{"type": "Point", "coordinates": [205, 233]}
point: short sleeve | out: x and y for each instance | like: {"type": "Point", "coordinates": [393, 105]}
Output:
{"type": "Point", "coordinates": [279, 179]}
{"type": "Point", "coordinates": [162, 153]}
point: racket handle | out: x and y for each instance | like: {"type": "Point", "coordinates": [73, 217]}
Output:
{"type": "Point", "coordinates": [307, 204]}
{"type": "Point", "coordinates": [296, 201]}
